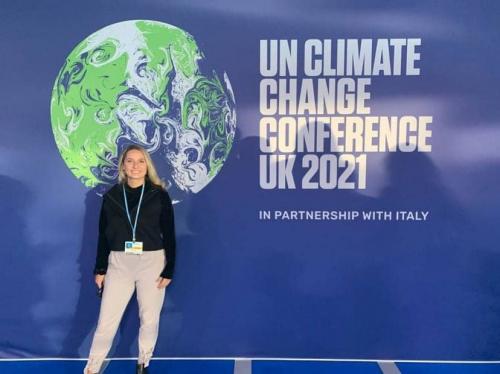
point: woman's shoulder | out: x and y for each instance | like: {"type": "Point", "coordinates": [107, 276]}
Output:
{"type": "Point", "coordinates": [112, 191]}
{"type": "Point", "coordinates": [156, 187]}
{"type": "Point", "coordinates": [162, 192]}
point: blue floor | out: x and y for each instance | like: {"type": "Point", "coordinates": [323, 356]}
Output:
{"type": "Point", "coordinates": [311, 367]}
{"type": "Point", "coordinates": [449, 368]}
{"type": "Point", "coordinates": [258, 367]}
{"type": "Point", "coordinates": [118, 367]}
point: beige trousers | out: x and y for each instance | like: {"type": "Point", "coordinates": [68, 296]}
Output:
{"type": "Point", "coordinates": [126, 273]}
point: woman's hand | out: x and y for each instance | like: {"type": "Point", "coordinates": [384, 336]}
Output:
{"type": "Point", "coordinates": [163, 282]}
{"type": "Point", "coordinates": [99, 280]}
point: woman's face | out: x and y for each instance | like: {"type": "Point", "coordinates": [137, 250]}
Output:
{"type": "Point", "coordinates": [135, 165]}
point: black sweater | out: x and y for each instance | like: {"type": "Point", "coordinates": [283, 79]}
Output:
{"type": "Point", "coordinates": [155, 225]}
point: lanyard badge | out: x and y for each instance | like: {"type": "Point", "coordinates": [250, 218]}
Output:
{"type": "Point", "coordinates": [133, 247]}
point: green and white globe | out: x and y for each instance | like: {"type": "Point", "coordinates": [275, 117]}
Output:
{"type": "Point", "coordinates": [139, 82]}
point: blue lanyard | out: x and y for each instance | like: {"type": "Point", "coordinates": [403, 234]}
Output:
{"type": "Point", "coordinates": [134, 226]}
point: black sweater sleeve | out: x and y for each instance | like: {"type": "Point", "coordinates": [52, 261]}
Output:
{"type": "Point", "coordinates": [168, 232]}
{"type": "Point", "coordinates": [101, 263]}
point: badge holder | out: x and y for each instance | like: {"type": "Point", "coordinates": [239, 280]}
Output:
{"type": "Point", "coordinates": [134, 248]}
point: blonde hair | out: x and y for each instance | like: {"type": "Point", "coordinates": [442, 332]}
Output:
{"type": "Point", "coordinates": [151, 174]}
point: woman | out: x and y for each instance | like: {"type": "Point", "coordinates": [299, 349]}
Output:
{"type": "Point", "coordinates": [136, 251]}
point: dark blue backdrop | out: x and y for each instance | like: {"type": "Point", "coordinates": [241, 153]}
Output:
{"type": "Point", "coordinates": [244, 287]}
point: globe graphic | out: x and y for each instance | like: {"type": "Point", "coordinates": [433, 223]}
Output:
{"type": "Point", "coordinates": [139, 82]}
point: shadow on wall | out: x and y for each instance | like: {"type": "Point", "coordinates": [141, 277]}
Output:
{"type": "Point", "coordinates": [20, 273]}
{"type": "Point", "coordinates": [432, 303]}
{"type": "Point", "coordinates": [204, 266]}
{"type": "Point", "coordinates": [87, 306]}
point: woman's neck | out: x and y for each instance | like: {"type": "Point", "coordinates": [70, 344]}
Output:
{"type": "Point", "coordinates": [134, 183]}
